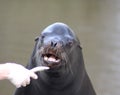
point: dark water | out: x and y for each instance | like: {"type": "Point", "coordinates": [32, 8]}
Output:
{"type": "Point", "coordinates": [96, 22]}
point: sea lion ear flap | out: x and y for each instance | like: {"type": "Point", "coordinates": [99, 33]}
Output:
{"type": "Point", "coordinates": [37, 38]}
{"type": "Point", "coordinates": [80, 46]}
{"type": "Point", "coordinates": [78, 43]}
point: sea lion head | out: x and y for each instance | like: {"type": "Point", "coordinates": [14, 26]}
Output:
{"type": "Point", "coordinates": [55, 46]}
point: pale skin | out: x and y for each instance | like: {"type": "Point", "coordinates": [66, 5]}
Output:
{"type": "Point", "coordinates": [18, 74]}
{"type": "Point", "coordinates": [3, 71]}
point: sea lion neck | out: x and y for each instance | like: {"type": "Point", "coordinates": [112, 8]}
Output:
{"type": "Point", "coordinates": [57, 72]}
{"type": "Point", "coordinates": [57, 80]}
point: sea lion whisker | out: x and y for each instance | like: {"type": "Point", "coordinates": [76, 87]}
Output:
{"type": "Point", "coordinates": [68, 61]}
{"type": "Point", "coordinates": [65, 57]}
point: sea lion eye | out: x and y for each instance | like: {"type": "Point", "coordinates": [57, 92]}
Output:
{"type": "Point", "coordinates": [69, 41]}
{"type": "Point", "coordinates": [43, 36]}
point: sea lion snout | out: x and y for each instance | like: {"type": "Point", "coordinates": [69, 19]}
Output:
{"type": "Point", "coordinates": [51, 50]}
{"type": "Point", "coordinates": [54, 42]}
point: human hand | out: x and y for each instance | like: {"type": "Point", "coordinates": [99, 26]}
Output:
{"type": "Point", "coordinates": [20, 76]}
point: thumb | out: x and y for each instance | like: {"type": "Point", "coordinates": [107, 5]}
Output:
{"type": "Point", "coordinates": [33, 75]}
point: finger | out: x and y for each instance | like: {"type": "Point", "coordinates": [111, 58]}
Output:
{"type": "Point", "coordinates": [23, 83]}
{"type": "Point", "coordinates": [17, 85]}
{"type": "Point", "coordinates": [40, 68]}
{"type": "Point", "coordinates": [26, 82]}
{"type": "Point", "coordinates": [33, 75]}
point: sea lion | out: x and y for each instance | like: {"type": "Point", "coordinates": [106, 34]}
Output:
{"type": "Point", "coordinates": [58, 48]}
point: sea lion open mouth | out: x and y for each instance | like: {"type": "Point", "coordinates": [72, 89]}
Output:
{"type": "Point", "coordinates": [51, 57]}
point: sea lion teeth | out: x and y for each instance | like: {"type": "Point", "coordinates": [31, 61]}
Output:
{"type": "Point", "coordinates": [45, 58]}
{"type": "Point", "coordinates": [58, 60]}
{"type": "Point", "coordinates": [51, 59]}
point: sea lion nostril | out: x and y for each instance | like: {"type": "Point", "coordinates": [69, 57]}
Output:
{"type": "Point", "coordinates": [53, 44]}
